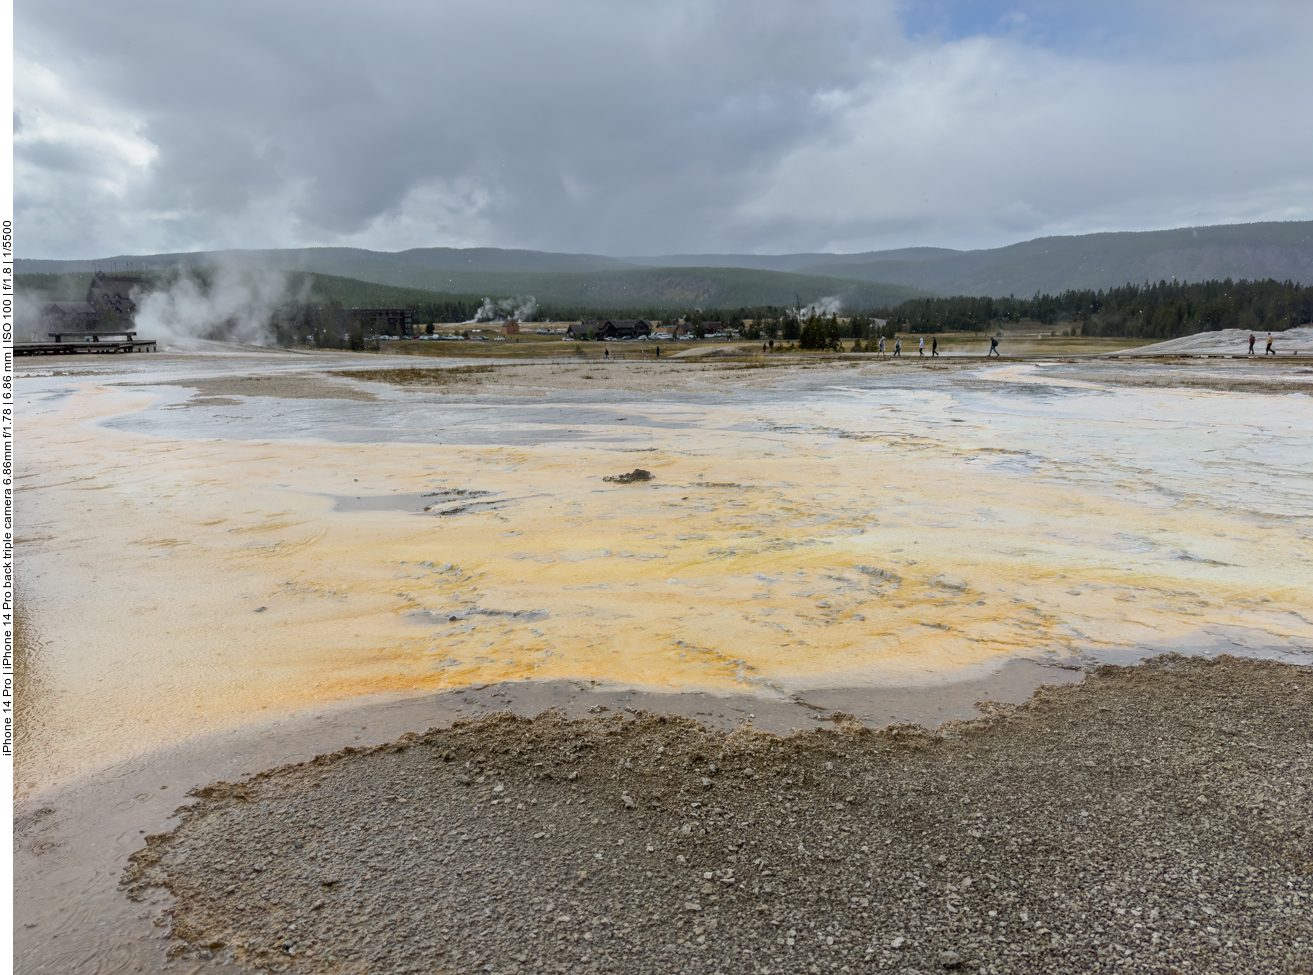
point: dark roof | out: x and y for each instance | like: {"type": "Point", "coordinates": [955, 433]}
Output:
{"type": "Point", "coordinates": [625, 327]}
{"type": "Point", "coordinates": [105, 284]}
{"type": "Point", "coordinates": [116, 293]}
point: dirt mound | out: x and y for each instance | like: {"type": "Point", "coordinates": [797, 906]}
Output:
{"type": "Point", "coordinates": [1141, 820]}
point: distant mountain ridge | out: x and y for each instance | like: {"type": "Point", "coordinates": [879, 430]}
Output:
{"type": "Point", "coordinates": [1281, 250]}
{"type": "Point", "coordinates": [328, 260]}
{"type": "Point", "coordinates": [806, 263]}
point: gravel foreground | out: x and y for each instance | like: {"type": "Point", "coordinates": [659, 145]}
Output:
{"type": "Point", "coordinates": [1150, 819]}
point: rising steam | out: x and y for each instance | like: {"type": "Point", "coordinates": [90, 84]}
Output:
{"type": "Point", "coordinates": [821, 308]}
{"type": "Point", "coordinates": [521, 309]}
{"type": "Point", "coordinates": [225, 304]}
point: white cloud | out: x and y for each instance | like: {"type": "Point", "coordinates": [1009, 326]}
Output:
{"type": "Point", "coordinates": [77, 157]}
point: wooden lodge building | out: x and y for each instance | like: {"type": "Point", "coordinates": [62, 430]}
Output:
{"type": "Point", "coordinates": [612, 328]}
{"type": "Point", "coordinates": [109, 302]}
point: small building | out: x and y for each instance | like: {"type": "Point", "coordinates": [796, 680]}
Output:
{"type": "Point", "coordinates": [584, 330]}
{"type": "Point", "coordinates": [113, 297]}
{"type": "Point", "coordinates": [624, 328]}
{"type": "Point", "coordinates": [713, 328]}
{"type": "Point", "coordinates": [384, 321]}
{"type": "Point", "coordinates": [510, 327]}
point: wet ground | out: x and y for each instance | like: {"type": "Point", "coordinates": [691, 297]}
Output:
{"type": "Point", "coordinates": [216, 549]}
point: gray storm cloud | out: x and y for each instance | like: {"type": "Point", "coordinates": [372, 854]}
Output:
{"type": "Point", "coordinates": [643, 128]}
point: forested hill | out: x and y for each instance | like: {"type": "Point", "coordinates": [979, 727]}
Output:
{"type": "Point", "coordinates": [654, 290]}
{"type": "Point", "coordinates": [1048, 265]}
{"type": "Point", "coordinates": [1164, 310]}
{"type": "Point", "coordinates": [1053, 265]}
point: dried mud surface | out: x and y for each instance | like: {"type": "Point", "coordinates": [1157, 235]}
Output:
{"type": "Point", "coordinates": [281, 385]}
{"type": "Point", "coordinates": [1154, 818]}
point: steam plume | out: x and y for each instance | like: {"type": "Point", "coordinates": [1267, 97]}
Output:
{"type": "Point", "coordinates": [226, 304]}
{"type": "Point", "coordinates": [821, 308]}
{"type": "Point", "coordinates": [521, 309]}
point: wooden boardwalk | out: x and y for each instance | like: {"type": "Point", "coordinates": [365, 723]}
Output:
{"type": "Point", "coordinates": [131, 344]}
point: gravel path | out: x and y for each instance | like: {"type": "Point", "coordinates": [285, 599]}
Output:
{"type": "Point", "coordinates": [1150, 819]}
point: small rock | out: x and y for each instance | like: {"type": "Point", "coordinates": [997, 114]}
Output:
{"type": "Point", "coordinates": [628, 802]}
{"type": "Point", "coordinates": [637, 474]}
{"type": "Point", "coordinates": [950, 959]}
{"type": "Point", "coordinates": [950, 582]}
{"type": "Point", "coordinates": [897, 942]}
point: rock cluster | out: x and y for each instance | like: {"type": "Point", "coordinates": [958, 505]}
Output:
{"type": "Point", "coordinates": [637, 474]}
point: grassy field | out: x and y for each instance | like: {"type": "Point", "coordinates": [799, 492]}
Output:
{"type": "Point", "coordinates": [544, 346]}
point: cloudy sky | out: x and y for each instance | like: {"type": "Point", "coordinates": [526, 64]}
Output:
{"type": "Point", "coordinates": [651, 126]}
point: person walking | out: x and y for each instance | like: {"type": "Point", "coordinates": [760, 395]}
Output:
{"type": "Point", "coordinates": [881, 345]}
{"type": "Point", "coordinates": [1270, 350]}
{"type": "Point", "coordinates": [898, 347]}
{"type": "Point", "coordinates": [1251, 343]}
{"type": "Point", "coordinates": [993, 347]}
{"type": "Point", "coordinates": [772, 345]}
{"type": "Point", "coordinates": [920, 346]}
{"type": "Point", "coordinates": [763, 348]}
{"type": "Point", "coordinates": [658, 351]}
{"type": "Point", "coordinates": [606, 352]}
{"type": "Point", "coordinates": [934, 346]}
